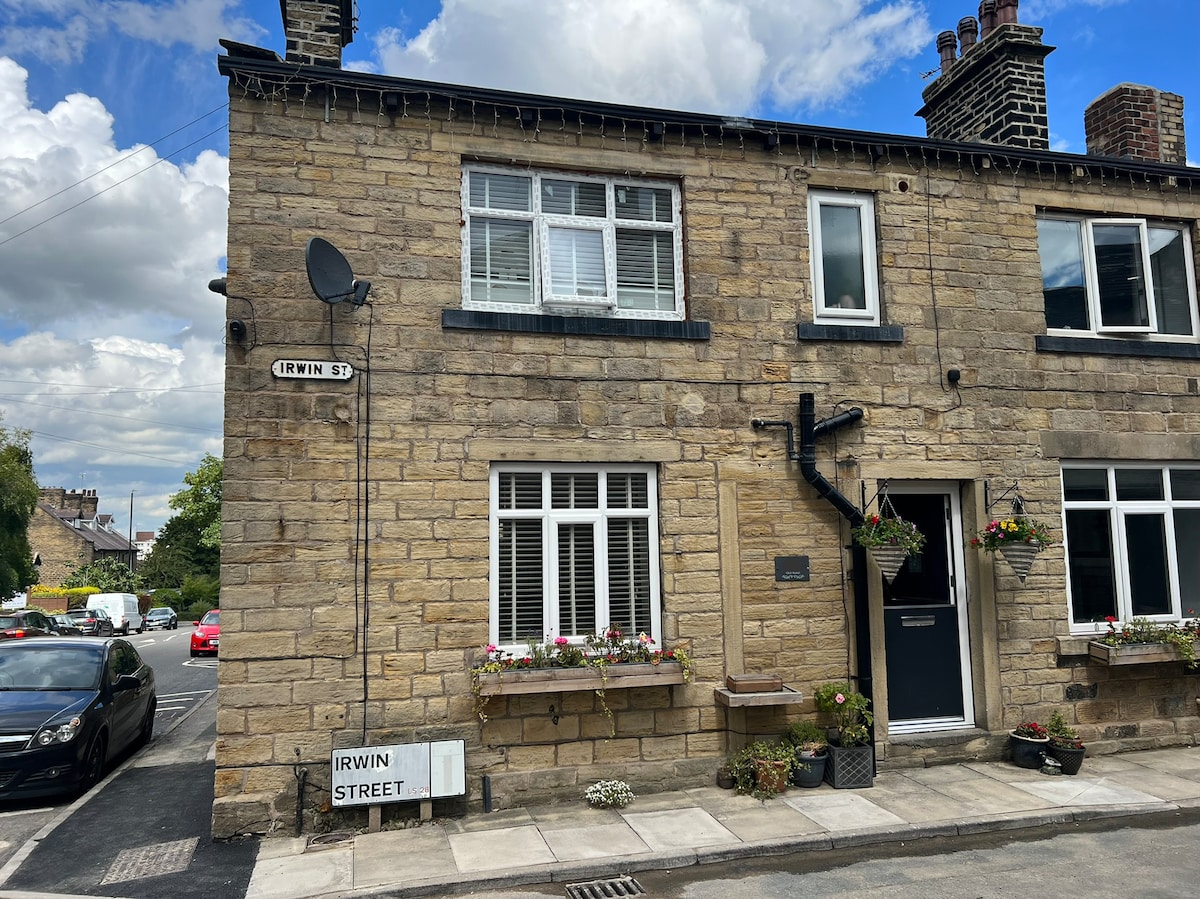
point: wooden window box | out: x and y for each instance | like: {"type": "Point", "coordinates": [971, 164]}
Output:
{"type": "Point", "coordinates": [621, 676]}
{"type": "Point", "coordinates": [1133, 653]}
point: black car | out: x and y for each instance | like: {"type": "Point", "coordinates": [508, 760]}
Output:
{"type": "Point", "coordinates": [93, 622]}
{"type": "Point", "coordinates": [68, 706]}
{"type": "Point", "coordinates": [161, 617]}
{"type": "Point", "coordinates": [66, 627]}
{"type": "Point", "coordinates": [20, 623]}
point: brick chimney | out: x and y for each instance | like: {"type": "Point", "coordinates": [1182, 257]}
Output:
{"type": "Point", "coordinates": [995, 92]}
{"type": "Point", "coordinates": [317, 30]}
{"type": "Point", "coordinates": [1136, 122]}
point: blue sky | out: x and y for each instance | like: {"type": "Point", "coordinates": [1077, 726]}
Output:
{"type": "Point", "coordinates": [114, 171]}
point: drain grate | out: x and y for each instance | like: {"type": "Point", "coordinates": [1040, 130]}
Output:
{"type": "Point", "coordinates": [603, 889]}
{"type": "Point", "coordinates": [325, 840]}
{"type": "Point", "coordinates": [151, 861]}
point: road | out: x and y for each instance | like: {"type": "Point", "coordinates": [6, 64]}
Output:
{"type": "Point", "coordinates": [181, 683]}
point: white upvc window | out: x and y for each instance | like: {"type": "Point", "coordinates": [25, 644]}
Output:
{"type": "Point", "coordinates": [845, 271]}
{"type": "Point", "coordinates": [574, 548]}
{"type": "Point", "coordinates": [1132, 539]}
{"type": "Point", "coordinates": [1114, 277]}
{"type": "Point", "coordinates": [563, 244]}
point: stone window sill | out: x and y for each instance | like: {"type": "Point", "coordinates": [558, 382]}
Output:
{"type": "Point", "coordinates": [860, 333]}
{"type": "Point", "coordinates": [1111, 346]}
{"type": "Point", "coordinates": [575, 325]}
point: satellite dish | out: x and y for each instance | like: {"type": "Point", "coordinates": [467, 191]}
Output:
{"type": "Point", "coordinates": [330, 275]}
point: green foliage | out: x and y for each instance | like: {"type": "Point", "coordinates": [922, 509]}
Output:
{"type": "Point", "coordinates": [1141, 630]}
{"type": "Point", "coordinates": [851, 712]}
{"type": "Point", "coordinates": [200, 502]}
{"type": "Point", "coordinates": [1062, 734]}
{"type": "Point", "coordinates": [108, 575]}
{"type": "Point", "coordinates": [743, 766]}
{"type": "Point", "coordinates": [806, 736]}
{"type": "Point", "coordinates": [889, 531]}
{"type": "Point", "coordinates": [18, 499]}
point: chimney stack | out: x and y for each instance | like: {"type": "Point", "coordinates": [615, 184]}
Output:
{"type": "Point", "coordinates": [1136, 122]}
{"type": "Point", "coordinates": [317, 30]}
{"type": "Point", "coordinates": [996, 93]}
{"type": "Point", "coordinates": [968, 33]}
{"type": "Point", "coordinates": [947, 45]}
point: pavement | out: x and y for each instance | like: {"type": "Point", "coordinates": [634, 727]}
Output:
{"type": "Point", "coordinates": [168, 852]}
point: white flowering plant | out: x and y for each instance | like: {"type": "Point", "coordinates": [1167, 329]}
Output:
{"type": "Point", "coordinates": [609, 794]}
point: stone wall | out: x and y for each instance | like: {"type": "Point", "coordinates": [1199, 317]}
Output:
{"type": "Point", "coordinates": [354, 582]}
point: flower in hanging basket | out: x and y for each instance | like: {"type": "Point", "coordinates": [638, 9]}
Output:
{"type": "Point", "coordinates": [1019, 529]}
{"type": "Point", "coordinates": [879, 531]}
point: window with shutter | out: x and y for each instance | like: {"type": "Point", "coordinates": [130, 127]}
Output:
{"type": "Point", "coordinates": [587, 245]}
{"type": "Point", "coordinates": [574, 549]}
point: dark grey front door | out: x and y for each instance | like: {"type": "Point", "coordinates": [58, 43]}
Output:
{"type": "Point", "coordinates": [923, 632]}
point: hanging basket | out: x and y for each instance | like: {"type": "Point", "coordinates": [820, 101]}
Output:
{"type": "Point", "coordinates": [890, 559]}
{"type": "Point", "coordinates": [1019, 557]}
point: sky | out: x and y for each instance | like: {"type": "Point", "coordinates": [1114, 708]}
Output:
{"type": "Point", "coordinates": [114, 168]}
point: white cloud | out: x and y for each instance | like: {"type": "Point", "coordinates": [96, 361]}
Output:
{"type": "Point", "coordinates": [723, 56]}
{"type": "Point", "coordinates": [60, 31]}
{"type": "Point", "coordinates": [110, 341]}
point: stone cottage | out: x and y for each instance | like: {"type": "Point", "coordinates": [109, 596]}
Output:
{"type": "Point", "coordinates": [647, 367]}
{"type": "Point", "coordinates": [67, 530]}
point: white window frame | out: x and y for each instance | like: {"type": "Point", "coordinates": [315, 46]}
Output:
{"type": "Point", "coordinates": [1149, 331]}
{"type": "Point", "coordinates": [865, 204]}
{"type": "Point", "coordinates": [1118, 510]}
{"type": "Point", "coordinates": [546, 302]}
{"type": "Point", "coordinates": [551, 518]}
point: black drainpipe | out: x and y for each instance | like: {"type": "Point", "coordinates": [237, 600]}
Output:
{"type": "Point", "coordinates": [810, 430]}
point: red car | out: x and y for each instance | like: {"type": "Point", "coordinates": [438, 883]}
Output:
{"type": "Point", "coordinates": [207, 635]}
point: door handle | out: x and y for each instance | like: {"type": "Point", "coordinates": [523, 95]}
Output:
{"type": "Point", "coordinates": [917, 620]}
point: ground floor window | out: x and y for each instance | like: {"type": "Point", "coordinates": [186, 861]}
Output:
{"type": "Point", "coordinates": [1132, 542]}
{"type": "Point", "coordinates": [573, 550]}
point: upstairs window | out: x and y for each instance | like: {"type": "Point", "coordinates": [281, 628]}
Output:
{"type": "Point", "coordinates": [1132, 533]}
{"type": "Point", "coordinates": [1117, 277]}
{"type": "Point", "coordinates": [574, 548]}
{"type": "Point", "coordinates": [844, 268]}
{"type": "Point", "coordinates": [547, 242]}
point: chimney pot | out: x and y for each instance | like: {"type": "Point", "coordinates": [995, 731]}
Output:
{"type": "Point", "coordinates": [987, 18]}
{"type": "Point", "coordinates": [968, 32]}
{"type": "Point", "coordinates": [947, 45]}
{"type": "Point", "coordinates": [1006, 12]}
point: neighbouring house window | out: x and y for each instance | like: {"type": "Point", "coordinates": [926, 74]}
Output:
{"type": "Point", "coordinates": [1132, 539]}
{"type": "Point", "coordinates": [1117, 277]}
{"type": "Point", "coordinates": [844, 268]}
{"type": "Point", "coordinates": [574, 548]}
{"type": "Point", "coordinates": [550, 242]}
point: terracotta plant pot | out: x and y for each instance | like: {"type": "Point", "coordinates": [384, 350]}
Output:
{"type": "Point", "coordinates": [771, 776]}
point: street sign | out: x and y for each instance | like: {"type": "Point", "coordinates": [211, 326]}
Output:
{"type": "Point", "coordinates": [402, 772]}
{"type": "Point", "coordinates": [312, 368]}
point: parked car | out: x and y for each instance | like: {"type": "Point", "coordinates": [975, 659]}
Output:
{"type": "Point", "coordinates": [68, 706]}
{"type": "Point", "coordinates": [93, 622]}
{"type": "Point", "coordinates": [161, 617]}
{"type": "Point", "coordinates": [27, 623]}
{"type": "Point", "coordinates": [122, 608]}
{"type": "Point", "coordinates": [207, 635]}
{"type": "Point", "coordinates": [66, 627]}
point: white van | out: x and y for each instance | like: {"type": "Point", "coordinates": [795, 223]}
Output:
{"type": "Point", "coordinates": [122, 608]}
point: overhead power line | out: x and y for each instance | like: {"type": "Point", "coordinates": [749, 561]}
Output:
{"type": "Point", "coordinates": [107, 449]}
{"type": "Point", "coordinates": [146, 421]}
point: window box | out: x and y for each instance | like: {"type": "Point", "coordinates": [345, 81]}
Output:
{"type": "Point", "coordinates": [1134, 653]}
{"type": "Point", "coordinates": [621, 676]}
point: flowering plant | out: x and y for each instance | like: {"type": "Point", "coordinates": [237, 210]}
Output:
{"type": "Point", "coordinates": [609, 794]}
{"type": "Point", "coordinates": [1030, 730]}
{"type": "Point", "coordinates": [1001, 532]}
{"type": "Point", "coordinates": [1182, 636]}
{"type": "Point", "coordinates": [889, 531]}
{"type": "Point", "coordinates": [851, 712]}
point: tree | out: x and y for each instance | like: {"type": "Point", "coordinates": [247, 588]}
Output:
{"type": "Point", "coordinates": [18, 499]}
{"type": "Point", "coordinates": [189, 544]}
{"type": "Point", "coordinates": [201, 501]}
{"type": "Point", "coordinates": [109, 575]}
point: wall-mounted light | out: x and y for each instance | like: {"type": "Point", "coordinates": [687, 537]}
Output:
{"type": "Point", "coordinates": [237, 330]}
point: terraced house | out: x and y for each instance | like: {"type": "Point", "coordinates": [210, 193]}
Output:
{"type": "Point", "coordinates": [648, 367]}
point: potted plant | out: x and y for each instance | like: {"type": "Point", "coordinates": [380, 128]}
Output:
{"type": "Point", "coordinates": [890, 540]}
{"type": "Point", "coordinates": [1065, 744]}
{"type": "Point", "coordinates": [1028, 742]}
{"type": "Point", "coordinates": [1140, 640]}
{"type": "Point", "coordinates": [811, 749]}
{"type": "Point", "coordinates": [851, 761]}
{"type": "Point", "coordinates": [1018, 538]}
{"type": "Point", "coordinates": [761, 769]}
